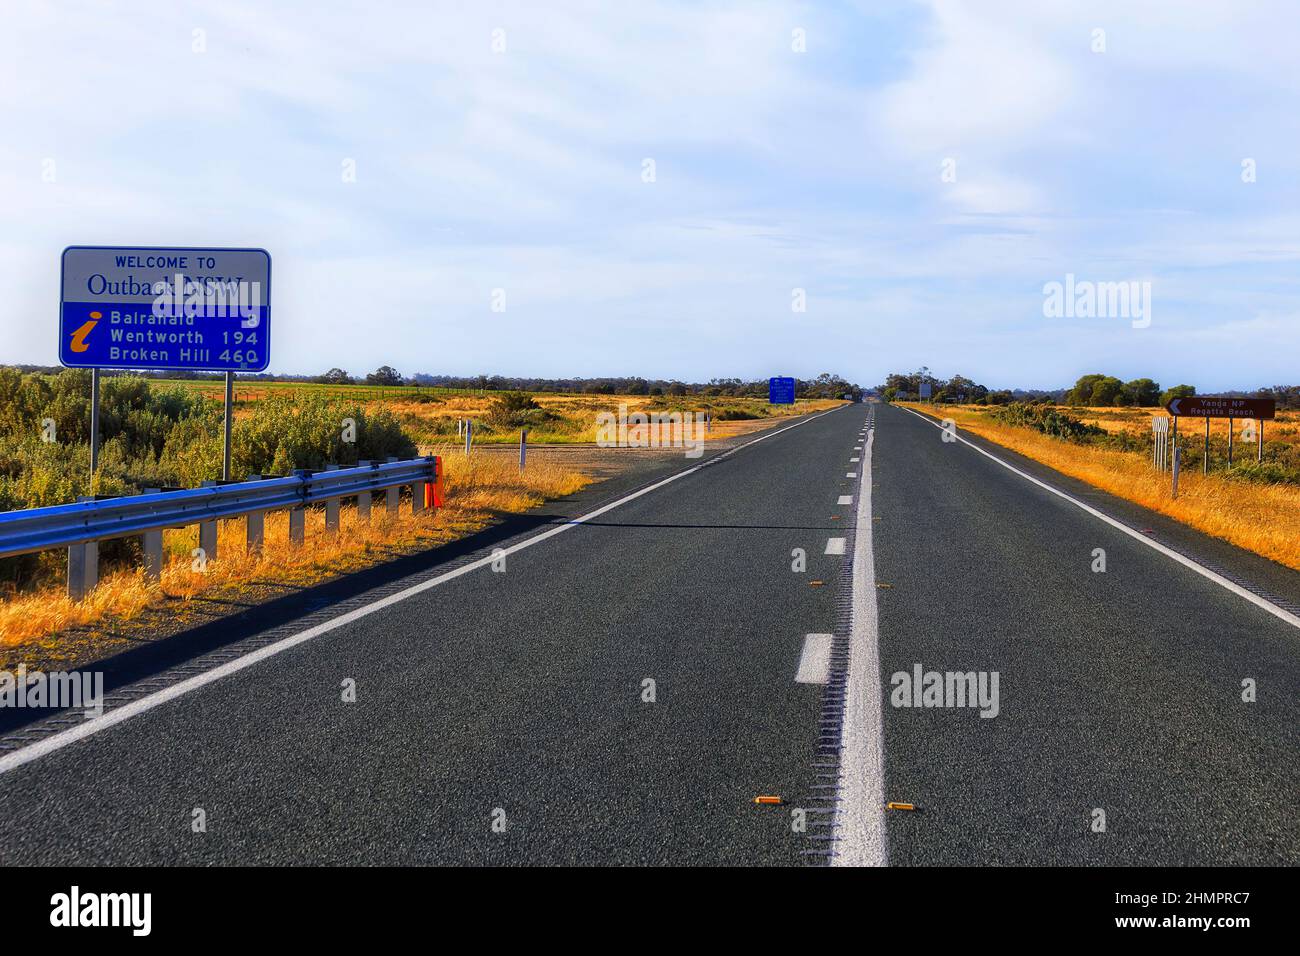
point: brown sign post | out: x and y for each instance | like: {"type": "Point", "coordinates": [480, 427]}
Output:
{"type": "Point", "coordinates": [1208, 406]}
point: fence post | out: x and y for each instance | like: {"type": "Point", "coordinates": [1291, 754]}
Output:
{"type": "Point", "coordinates": [256, 524]}
{"type": "Point", "coordinates": [153, 550]}
{"type": "Point", "coordinates": [469, 435]}
{"type": "Point", "coordinates": [363, 499]}
{"type": "Point", "coordinates": [332, 508]}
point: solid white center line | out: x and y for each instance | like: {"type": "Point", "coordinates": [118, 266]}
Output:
{"type": "Point", "coordinates": [860, 817]}
{"type": "Point", "coordinates": [845, 500]}
{"type": "Point", "coordinates": [815, 661]}
{"type": "Point", "coordinates": [834, 545]}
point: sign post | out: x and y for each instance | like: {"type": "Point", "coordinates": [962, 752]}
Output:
{"type": "Point", "coordinates": [148, 307]}
{"type": "Point", "coordinates": [94, 426]}
{"type": "Point", "coordinates": [230, 404]}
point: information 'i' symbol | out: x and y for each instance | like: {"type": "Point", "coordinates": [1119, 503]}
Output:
{"type": "Point", "coordinates": [79, 336]}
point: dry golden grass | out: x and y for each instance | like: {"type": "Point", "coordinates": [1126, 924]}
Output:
{"type": "Point", "coordinates": [1258, 517]}
{"type": "Point", "coordinates": [477, 489]}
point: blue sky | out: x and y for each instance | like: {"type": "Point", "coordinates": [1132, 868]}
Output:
{"type": "Point", "coordinates": [775, 170]}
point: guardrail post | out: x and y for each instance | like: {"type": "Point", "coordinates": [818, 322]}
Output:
{"type": "Point", "coordinates": [363, 500]}
{"type": "Point", "coordinates": [418, 493]}
{"type": "Point", "coordinates": [394, 494]}
{"type": "Point", "coordinates": [332, 508]}
{"type": "Point", "coordinates": [208, 532]}
{"type": "Point", "coordinates": [256, 524]}
{"type": "Point", "coordinates": [83, 569]}
{"type": "Point", "coordinates": [298, 515]}
{"type": "Point", "coordinates": [153, 549]}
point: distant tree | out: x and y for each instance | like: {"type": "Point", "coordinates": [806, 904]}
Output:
{"type": "Point", "coordinates": [1106, 391]}
{"type": "Point", "coordinates": [1178, 391]}
{"type": "Point", "coordinates": [335, 376]}
{"type": "Point", "coordinates": [384, 375]}
{"type": "Point", "coordinates": [1081, 394]}
{"type": "Point", "coordinates": [1141, 392]}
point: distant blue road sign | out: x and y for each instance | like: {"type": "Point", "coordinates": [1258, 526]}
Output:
{"type": "Point", "coordinates": [780, 391]}
{"type": "Point", "coordinates": [148, 307]}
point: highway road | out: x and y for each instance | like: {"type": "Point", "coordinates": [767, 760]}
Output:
{"type": "Point", "coordinates": [639, 667]}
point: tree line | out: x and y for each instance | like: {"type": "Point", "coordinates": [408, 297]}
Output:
{"type": "Point", "coordinates": [1095, 390]}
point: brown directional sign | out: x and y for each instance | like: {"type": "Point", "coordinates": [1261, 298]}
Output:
{"type": "Point", "coordinates": [1206, 406]}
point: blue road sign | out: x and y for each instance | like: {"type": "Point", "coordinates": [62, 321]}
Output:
{"type": "Point", "coordinates": [780, 391]}
{"type": "Point", "coordinates": [148, 307]}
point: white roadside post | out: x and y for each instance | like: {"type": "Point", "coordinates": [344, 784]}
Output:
{"type": "Point", "coordinates": [523, 448]}
{"type": "Point", "coordinates": [1178, 454]}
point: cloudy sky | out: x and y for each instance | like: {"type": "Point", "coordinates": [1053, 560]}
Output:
{"type": "Point", "coordinates": [920, 169]}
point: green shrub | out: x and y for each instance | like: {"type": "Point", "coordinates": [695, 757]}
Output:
{"type": "Point", "coordinates": [1047, 419]}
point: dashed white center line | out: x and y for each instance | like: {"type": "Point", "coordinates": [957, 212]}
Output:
{"type": "Point", "coordinates": [815, 661]}
{"type": "Point", "coordinates": [835, 545]}
{"type": "Point", "coordinates": [851, 474]}
{"type": "Point", "coordinates": [855, 459]}
{"type": "Point", "coordinates": [845, 500]}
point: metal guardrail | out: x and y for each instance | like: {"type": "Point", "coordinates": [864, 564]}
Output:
{"type": "Point", "coordinates": [82, 525]}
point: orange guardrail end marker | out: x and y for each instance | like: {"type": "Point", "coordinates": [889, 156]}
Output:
{"type": "Point", "coordinates": [438, 497]}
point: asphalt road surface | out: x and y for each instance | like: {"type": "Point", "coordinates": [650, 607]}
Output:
{"type": "Point", "coordinates": [624, 686]}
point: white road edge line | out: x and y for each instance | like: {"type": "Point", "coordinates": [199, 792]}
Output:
{"type": "Point", "coordinates": [815, 661]}
{"type": "Point", "coordinates": [118, 715]}
{"type": "Point", "coordinates": [834, 546]}
{"type": "Point", "coordinates": [860, 817]}
{"type": "Point", "coordinates": [1182, 559]}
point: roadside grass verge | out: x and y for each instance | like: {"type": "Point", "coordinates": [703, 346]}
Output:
{"type": "Point", "coordinates": [478, 489]}
{"type": "Point", "coordinates": [1263, 518]}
